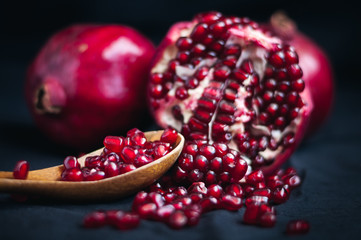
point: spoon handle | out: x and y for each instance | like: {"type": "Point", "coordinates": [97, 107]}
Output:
{"type": "Point", "coordinates": [6, 174]}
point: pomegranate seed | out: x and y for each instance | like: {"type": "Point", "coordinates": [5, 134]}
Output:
{"type": "Point", "coordinates": [181, 93]}
{"type": "Point", "coordinates": [209, 17]}
{"type": "Point", "coordinates": [297, 227]}
{"type": "Point", "coordinates": [198, 49]}
{"type": "Point", "coordinates": [184, 43]}
{"type": "Point", "coordinates": [208, 204]}
{"type": "Point", "coordinates": [113, 143]}
{"type": "Point", "coordinates": [157, 78]}
{"type": "Point", "coordinates": [280, 195]}
{"type": "Point", "coordinates": [199, 32]}
{"type": "Point", "coordinates": [277, 59]}
{"type": "Point", "coordinates": [71, 162]}
{"type": "Point", "coordinates": [128, 221]}
{"type": "Point", "coordinates": [169, 135]}
{"type": "Point", "coordinates": [215, 190]}
{"type": "Point", "coordinates": [128, 154]}
{"type": "Point", "coordinates": [21, 170]}
{"type": "Point", "coordinates": [72, 174]}
{"type": "Point", "coordinates": [113, 216]}
{"type": "Point", "coordinates": [234, 190]}
{"type": "Point", "coordinates": [231, 203]}
{"type": "Point", "coordinates": [294, 71]}
{"type": "Point", "coordinates": [298, 85]}
{"type": "Point", "coordinates": [195, 175]}
{"type": "Point", "coordinates": [156, 91]}
{"type": "Point", "coordinates": [164, 212]}
{"type": "Point", "coordinates": [221, 73]}
{"type": "Point", "coordinates": [267, 219]}
{"type": "Point", "coordinates": [147, 210]}
{"type": "Point", "coordinates": [177, 220]}
{"type": "Point", "coordinates": [198, 187]}
{"type": "Point", "coordinates": [93, 175]}
{"type": "Point", "coordinates": [95, 220]}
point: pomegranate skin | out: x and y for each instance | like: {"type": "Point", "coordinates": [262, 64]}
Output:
{"type": "Point", "coordinates": [88, 81]}
{"type": "Point", "coordinates": [317, 69]}
{"type": "Point", "coordinates": [164, 117]}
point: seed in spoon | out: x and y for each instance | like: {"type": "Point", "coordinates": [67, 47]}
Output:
{"type": "Point", "coordinates": [120, 155]}
{"type": "Point", "coordinates": [21, 170]}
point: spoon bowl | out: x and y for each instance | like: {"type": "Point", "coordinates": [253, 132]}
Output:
{"type": "Point", "coordinates": [46, 182]}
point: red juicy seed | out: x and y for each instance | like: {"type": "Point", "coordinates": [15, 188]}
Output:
{"type": "Point", "coordinates": [21, 170]}
{"type": "Point", "coordinates": [203, 115]}
{"type": "Point", "coordinates": [198, 50]}
{"type": "Point", "coordinates": [197, 125]}
{"type": "Point", "coordinates": [217, 46]}
{"type": "Point", "coordinates": [221, 73]}
{"type": "Point", "coordinates": [264, 118]}
{"type": "Point", "coordinates": [292, 98]}
{"type": "Point", "coordinates": [95, 220]}
{"type": "Point", "coordinates": [215, 190]}
{"type": "Point", "coordinates": [169, 197]}
{"type": "Point", "coordinates": [93, 161]}
{"type": "Point", "coordinates": [191, 148]}
{"type": "Point", "coordinates": [280, 122]}
{"type": "Point", "coordinates": [72, 174]}
{"type": "Point", "coordinates": [139, 199]}
{"type": "Point", "coordinates": [277, 59]}
{"type": "Point", "coordinates": [172, 65]}
{"type": "Point", "coordinates": [192, 83]}
{"type": "Point", "coordinates": [294, 113]}
{"type": "Point", "coordinates": [163, 213]}
{"type": "Point", "coordinates": [210, 177]}
{"type": "Point", "coordinates": [233, 85]}
{"type": "Point", "coordinates": [218, 28]}
{"type": "Point", "coordinates": [279, 97]}
{"type": "Point", "coordinates": [225, 118]}
{"type": "Point", "coordinates": [209, 17]}
{"type": "Point", "coordinates": [221, 149]}
{"type": "Point", "coordinates": [209, 203]}
{"type": "Point", "coordinates": [227, 107]}
{"type": "Point", "coordinates": [230, 61]}
{"type": "Point", "coordinates": [240, 169]}
{"type": "Point", "coordinates": [229, 161]}
{"type": "Point", "coordinates": [113, 216]}
{"type": "Point", "coordinates": [247, 66]}
{"type": "Point", "coordinates": [195, 175]}
{"type": "Point", "coordinates": [251, 214]}
{"type": "Point", "coordinates": [193, 214]}
{"type": "Point", "coordinates": [265, 192]}
{"type": "Point", "coordinates": [267, 96]}
{"type": "Point", "coordinates": [196, 197]}
{"type": "Point", "coordinates": [114, 144]}
{"type": "Point", "coordinates": [281, 74]}
{"type": "Point", "coordinates": [270, 84]}
{"type": "Point", "coordinates": [93, 175]}
{"type": "Point", "coordinates": [180, 191]}
{"type": "Point", "coordinates": [181, 93]}
{"type": "Point", "coordinates": [284, 86]}
{"type": "Point", "coordinates": [256, 200]}
{"type": "Point", "coordinates": [127, 168]}
{"type": "Point", "coordinates": [267, 219]}
{"type": "Point", "coordinates": [234, 190]}
{"type": "Point", "coordinates": [141, 160]}
{"type": "Point", "coordinates": [224, 177]}
{"type": "Point", "coordinates": [71, 162]}
{"type": "Point", "coordinates": [198, 187]}
{"type": "Point", "coordinates": [129, 153]}
{"type": "Point", "coordinates": [279, 195]}
{"type": "Point", "coordinates": [147, 210]}
{"type": "Point", "coordinates": [128, 221]}
{"type": "Point", "coordinates": [207, 103]}
{"type": "Point", "coordinates": [244, 147]}
{"type": "Point", "coordinates": [156, 198]}
{"type": "Point", "coordinates": [201, 73]}
{"type": "Point", "coordinates": [272, 109]}
{"type": "Point", "coordinates": [180, 174]}
{"type": "Point", "coordinates": [212, 93]}
{"type": "Point", "coordinates": [232, 50]}
{"type": "Point", "coordinates": [177, 220]}
{"type": "Point", "coordinates": [138, 139]}
{"type": "Point", "coordinates": [157, 78]}
{"type": "Point", "coordinates": [291, 57]}
{"type": "Point", "coordinates": [198, 136]}
{"type": "Point", "coordinates": [184, 43]}
{"type": "Point", "coordinates": [294, 72]}
{"type": "Point", "coordinates": [199, 32]}
{"type": "Point", "coordinates": [201, 162]}
{"type": "Point", "coordinates": [208, 151]}
{"type": "Point", "coordinates": [208, 40]}
{"type": "Point", "coordinates": [156, 90]}
{"type": "Point", "coordinates": [231, 203]}
{"type": "Point", "coordinates": [297, 227]}
{"type": "Point", "coordinates": [160, 150]}
{"type": "Point", "coordinates": [111, 169]}
{"type": "Point", "coordinates": [216, 164]}
{"type": "Point", "coordinates": [183, 57]}
{"type": "Point", "coordinates": [230, 95]}
{"type": "Point", "coordinates": [177, 112]}
{"type": "Point", "coordinates": [268, 73]}
{"type": "Point", "coordinates": [255, 177]}
{"type": "Point", "coordinates": [169, 135]}
{"type": "Point", "coordinates": [298, 85]}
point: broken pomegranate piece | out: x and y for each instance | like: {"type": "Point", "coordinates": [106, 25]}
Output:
{"type": "Point", "coordinates": [120, 155]}
{"type": "Point", "coordinates": [223, 79]}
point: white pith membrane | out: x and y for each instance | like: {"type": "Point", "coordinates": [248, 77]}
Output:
{"type": "Point", "coordinates": [255, 46]}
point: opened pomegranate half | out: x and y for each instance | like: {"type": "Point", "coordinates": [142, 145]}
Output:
{"type": "Point", "coordinates": [224, 79]}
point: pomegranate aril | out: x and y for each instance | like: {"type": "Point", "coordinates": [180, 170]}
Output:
{"type": "Point", "coordinates": [198, 50]}
{"type": "Point", "coordinates": [232, 50]}
{"type": "Point", "coordinates": [255, 177]}
{"type": "Point", "coordinates": [267, 219]}
{"type": "Point", "coordinates": [215, 190]}
{"type": "Point", "coordinates": [279, 195]}
{"type": "Point", "coordinates": [177, 220]}
{"type": "Point", "coordinates": [163, 213]}
{"type": "Point", "coordinates": [141, 160]}
{"type": "Point", "coordinates": [294, 71]}
{"type": "Point", "coordinates": [147, 210]}
{"type": "Point", "coordinates": [21, 170]}
{"type": "Point", "coordinates": [128, 154]}
{"type": "Point", "coordinates": [207, 103]}
{"type": "Point", "coordinates": [113, 143]}
{"type": "Point", "coordinates": [181, 93]}
{"type": "Point", "coordinates": [72, 174]}
{"type": "Point", "coordinates": [217, 46]}
{"type": "Point", "coordinates": [195, 175]}
{"type": "Point", "coordinates": [184, 43]}
{"type": "Point", "coordinates": [203, 115]}
{"type": "Point", "coordinates": [209, 17]}
{"type": "Point", "coordinates": [93, 175]}
{"type": "Point", "coordinates": [277, 59]}
{"type": "Point", "coordinates": [199, 32]}
{"type": "Point", "coordinates": [127, 221]}
{"type": "Point", "coordinates": [234, 190]}
{"type": "Point", "coordinates": [222, 73]}
{"type": "Point", "coordinates": [298, 85]}
{"type": "Point", "coordinates": [208, 204]}
{"type": "Point", "coordinates": [295, 227]}
{"type": "Point", "coordinates": [112, 216]}
{"type": "Point", "coordinates": [156, 91]}
{"type": "Point", "coordinates": [157, 78]}
{"type": "Point", "coordinates": [169, 135]}
{"type": "Point", "coordinates": [230, 203]}
{"type": "Point", "coordinates": [95, 220]}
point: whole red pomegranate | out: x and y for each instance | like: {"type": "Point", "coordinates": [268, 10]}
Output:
{"type": "Point", "coordinates": [224, 79]}
{"type": "Point", "coordinates": [89, 81]}
{"type": "Point", "coordinates": [317, 70]}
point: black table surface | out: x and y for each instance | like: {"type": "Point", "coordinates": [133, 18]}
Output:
{"type": "Point", "coordinates": [329, 161]}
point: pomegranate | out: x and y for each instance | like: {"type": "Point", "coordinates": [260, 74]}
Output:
{"type": "Point", "coordinates": [120, 155]}
{"type": "Point", "coordinates": [224, 79]}
{"type": "Point", "coordinates": [85, 80]}
{"type": "Point", "coordinates": [317, 70]}
{"type": "Point", "coordinates": [21, 170]}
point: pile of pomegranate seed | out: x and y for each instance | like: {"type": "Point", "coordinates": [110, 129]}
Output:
{"type": "Point", "coordinates": [120, 155]}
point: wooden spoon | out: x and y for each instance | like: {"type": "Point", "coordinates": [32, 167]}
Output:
{"type": "Point", "coordinates": [45, 182]}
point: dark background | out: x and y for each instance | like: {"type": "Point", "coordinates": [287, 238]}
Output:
{"type": "Point", "coordinates": [329, 161]}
